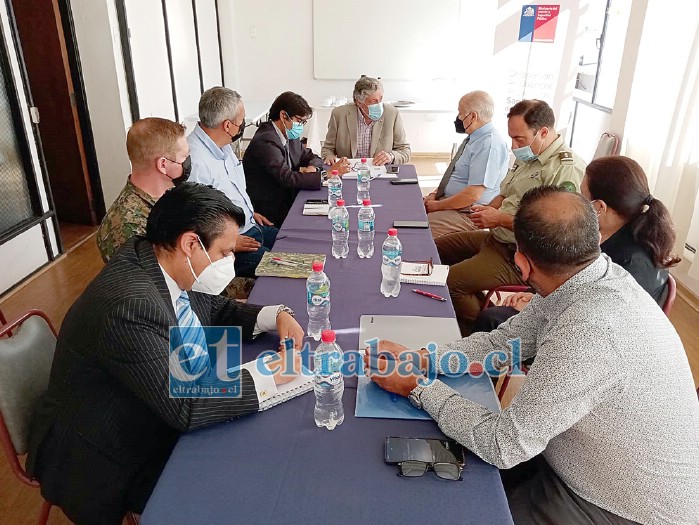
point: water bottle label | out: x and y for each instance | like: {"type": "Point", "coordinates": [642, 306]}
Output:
{"type": "Point", "coordinates": [340, 224]}
{"type": "Point", "coordinates": [389, 260]}
{"type": "Point", "coordinates": [330, 380]}
{"type": "Point", "coordinates": [335, 191]}
{"type": "Point", "coordinates": [366, 226]}
{"type": "Point", "coordinates": [319, 298]}
{"type": "Point", "coordinates": [364, 177]}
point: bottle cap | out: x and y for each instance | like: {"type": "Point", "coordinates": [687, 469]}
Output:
{"type": "Point", "coordinates": [334, 172]}
{"type": "Point", "coordinates": [363, 160]}
{"type": "Point", "coordinates": [366, 202]}
{"type": "Point", "coordinates": [393, 232]}
{"type": "Point", "coordinates": [317, 266]}
{"type": "Point", "coordinates": [328, 336]}
{"type": "Point", "coordinates": [340, 202]}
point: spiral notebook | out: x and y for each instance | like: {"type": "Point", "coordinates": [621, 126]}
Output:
{"type": "Point", "coordinates": [302, 384]}
{"type": "Point", "coordinates": [438, 277]}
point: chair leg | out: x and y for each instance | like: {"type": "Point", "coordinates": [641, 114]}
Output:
{"type": "Point", "coordinates": [44, 513]}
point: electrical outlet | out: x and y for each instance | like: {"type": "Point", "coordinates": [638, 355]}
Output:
{"type": "Point", "coordinates": [253, 32]}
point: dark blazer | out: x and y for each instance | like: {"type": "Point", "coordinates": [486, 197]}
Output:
{"type": "Point", "coordinates": [105, 428]}
{"type": "Point", "coordinates": [625, 251]}
{"type": "Point", "coordinates": [271, 184]}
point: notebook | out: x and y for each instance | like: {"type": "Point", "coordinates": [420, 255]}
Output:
{"type": "Point", "coordinates": [316, 208]}
{"type": "Point", "coordinates": [437, 278]}
{"type": "Point", "coordinates": [376, 171]}
{"type": "Point", "coordinates": [302, 384]}
{"type": "Point", "coordinates": [413, 332]}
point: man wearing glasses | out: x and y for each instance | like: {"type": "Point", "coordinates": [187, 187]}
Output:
{"type": "Point", "coordinates": [159, 157]}
{"type": "Point", "coordinates": [277, 165]}
{"type": "Point", "coordinates": [366, 127]}
{"type": "Point", "coordinates": [222, 122]}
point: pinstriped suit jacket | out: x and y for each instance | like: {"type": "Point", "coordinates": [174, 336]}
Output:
{"type": "Point", "coordinates": [107, 411]}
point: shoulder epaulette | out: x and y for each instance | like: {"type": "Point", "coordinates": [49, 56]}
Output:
{"type": "Point", "coordinates": [566, 157]}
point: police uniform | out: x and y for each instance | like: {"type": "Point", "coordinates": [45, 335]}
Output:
{"type": "Point", "coordinates": [126, 217]}
{"type": "Point", "coordinates": [482, 260]}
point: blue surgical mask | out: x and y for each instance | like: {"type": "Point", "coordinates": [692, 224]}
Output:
{"type": "Point", "coordinates": [375, 111]}
{"type": "Point", "coordinates": [525, 153]}
{"type": "Point", "coordinates": [295, 131]}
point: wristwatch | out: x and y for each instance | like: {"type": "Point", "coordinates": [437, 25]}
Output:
{"type": "Point", "coordinates": [414, 396]}
{"type": "Point", "coordinates": [284, 308]}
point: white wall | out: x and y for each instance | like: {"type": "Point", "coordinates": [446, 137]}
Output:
{"type": "Point", "coordinates": [94, 29]}
{"type": "Point", "coordinates": [279, 56]}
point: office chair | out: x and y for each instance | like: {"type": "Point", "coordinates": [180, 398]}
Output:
{"type": "Point", "coordinates": [27, 345]}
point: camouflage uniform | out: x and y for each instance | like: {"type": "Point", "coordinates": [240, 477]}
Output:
{"type": "Point", "coordinates": [126, 217]}
{"type": "Point", "coordinates": [482, 260]}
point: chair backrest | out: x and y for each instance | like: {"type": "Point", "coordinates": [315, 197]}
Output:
{"type": "Point", "coordinates": [671, 294]}
{"type": "Point", "coordinates": [508, 288]}
{"type": "Point", "coordinates": [27, 347]}
{"type": "Point", "coordinates": [608, 144]}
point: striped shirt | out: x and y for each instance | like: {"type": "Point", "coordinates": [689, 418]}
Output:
{"type": "Point", "coordinates": [609, 401]}
{"type": "Point", "coordinates": [364, 131]}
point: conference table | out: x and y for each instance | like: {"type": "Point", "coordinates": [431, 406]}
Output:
{"type": "Point", "coordinates": [276, 466]}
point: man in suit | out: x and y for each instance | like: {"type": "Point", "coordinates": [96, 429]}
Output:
{"type": "Point", "coordinates": [366, 128]}
{"type": "Point", "coordinates": [104, 429]}
{"type": "Point", "coordinates": [277, 165]}
{"type": "Point", "coordinates": [222, 122]}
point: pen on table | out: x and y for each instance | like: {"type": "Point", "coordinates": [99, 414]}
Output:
{"type": "Point", "coordinates": [277, 260]}
{"type": "Point", "coordinates": [430, 295]}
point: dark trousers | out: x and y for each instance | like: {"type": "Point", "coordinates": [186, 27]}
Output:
{"type": "Point", "coordinates": [536, 495]}
{"type": "Point", "coordinates": [246, 262]}
{"type": "Point", "coordinates": [490, 318]}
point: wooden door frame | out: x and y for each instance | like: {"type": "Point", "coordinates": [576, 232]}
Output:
{"type": "Point", "coordinates": [74, 64]}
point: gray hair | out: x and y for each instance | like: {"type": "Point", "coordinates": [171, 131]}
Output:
{"type": "Point", "coordinates": [481, 103]}
{"type": "Point", "coordinates": [365, 86]}
{"type": "Point", "coordinates": [218, 104]}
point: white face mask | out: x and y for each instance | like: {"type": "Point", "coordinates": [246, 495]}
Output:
{"type": "Point", "coordinates": [215, 277]}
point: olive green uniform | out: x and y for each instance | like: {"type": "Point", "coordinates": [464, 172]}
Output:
{"type": "Point", "coordinates": [482, 260]}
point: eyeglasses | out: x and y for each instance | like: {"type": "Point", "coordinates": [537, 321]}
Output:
{"type": "Point", "coordinates": [180, 163]}
{"type": "Point", "coordinates": [302, 121]}
{"type": "Point", "coordinates": [415, 469]}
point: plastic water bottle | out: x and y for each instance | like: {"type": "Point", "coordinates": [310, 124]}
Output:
{"type": "Point", "coordinates": [365, 229]}
{"type": "Point", "coordinates": [340, 223]}
{"type": "Point", "coordinates": [363, 181]}
{"type": "Point", "coordinates": [318, 305]}
{"type": "Point", "coordinates": [391, 258]}
{"type": "Point", "coordinates": [334, 189]}
{"type": "Point", "coordinates": [329, 383]}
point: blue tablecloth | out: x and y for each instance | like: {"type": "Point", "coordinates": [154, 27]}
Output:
{"type": "Point", "coordinates": [277, 466]}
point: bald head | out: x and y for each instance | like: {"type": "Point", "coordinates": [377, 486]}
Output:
{"type": "Point", "coordinates": [478, 102]}
{"type": "Point", "coordinates": [557, 230]}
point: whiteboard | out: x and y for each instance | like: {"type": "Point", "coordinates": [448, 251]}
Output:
{"type": "Point", "coordinates": [391, 39]}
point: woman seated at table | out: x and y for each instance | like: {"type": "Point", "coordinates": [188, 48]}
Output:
{"type": "Point", "coordinates": [277, 165]}
{"type": "Point", "coordinates": [636, 231]}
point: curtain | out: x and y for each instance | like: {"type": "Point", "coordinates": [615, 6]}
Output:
{"type": "Point", "coordinates": [662, 124]}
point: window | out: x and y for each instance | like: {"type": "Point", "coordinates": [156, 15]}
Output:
{"type": "Point", "coordinates": [601, 48]}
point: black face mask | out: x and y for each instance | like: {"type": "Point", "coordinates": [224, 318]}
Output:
{"type": "Point", "coordinates": [459, 125]}
{"type": "Point", "coordinates": [186, 170]}
{"type": "Point", "coordinates": [239, 134]}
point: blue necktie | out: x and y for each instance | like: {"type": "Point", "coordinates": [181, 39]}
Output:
{"type": "Point", "coordinates": [193, 337]}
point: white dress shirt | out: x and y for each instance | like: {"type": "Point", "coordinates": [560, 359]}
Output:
{"type": "Point", "coordinates": [266, 322]}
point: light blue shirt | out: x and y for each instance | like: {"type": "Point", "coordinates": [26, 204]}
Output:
{"type": "Point", "coordinates": [220, 168]}
{"type": "Point", "coordinates": [483, 162]}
